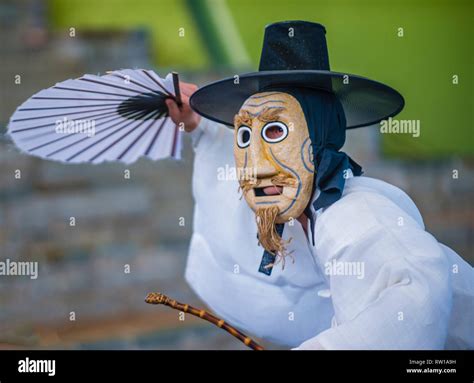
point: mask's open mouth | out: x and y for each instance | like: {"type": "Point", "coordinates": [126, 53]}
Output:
{"type": "Point", "coordinates": [268, 191]}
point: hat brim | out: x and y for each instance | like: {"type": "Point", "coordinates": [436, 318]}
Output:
{"type": "Point", "coordinates": [365, 102]}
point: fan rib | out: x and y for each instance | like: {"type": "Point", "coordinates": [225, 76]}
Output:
{"type": "Point", "coordinates": [175, 140]}
{"type": "Point", "coordinates": [59, 115]}
{"type": "Point", "coordinates": [95, 143]}
{"type": "Point", "coordinates": [90, 91]}
{"type": "Point", "coordinates": [157, 83]}
{"type": "Point", "coordinates": [111, 85]}
{"type": "Point", "coordinates": [77, 98]}
{"type": "Point", "coordinates": [66, 136]}
{"type": "Point", "coordinates": [122, 76]}
{"type": "Point", "coordinates": [68, 107]}
{"type": "Point", "coordinates": [138, 138]}
{"type": "Point", "coordinates": [113, 143]}
{"type": "Point", "coordinates": [49, 124]}
{"type": "Point", "coordinates": [155, 137]}
{"type": "Point", "coordinates": [80, 140]}
{"type": "Point", "coordinates": [105, 115]}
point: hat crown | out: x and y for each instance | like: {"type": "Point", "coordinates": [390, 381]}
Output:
{"type": "Point", "coordinates": [294, 45]}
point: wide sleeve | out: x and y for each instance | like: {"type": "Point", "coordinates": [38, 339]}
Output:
{"type": "Point", "coordinates": [389, 279]}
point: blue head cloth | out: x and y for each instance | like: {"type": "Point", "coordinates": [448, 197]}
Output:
{"type": "Point", "coordinates": [327, 131]}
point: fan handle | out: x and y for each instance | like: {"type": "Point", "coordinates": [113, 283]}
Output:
{"type": "Point", "coordinates": [177, 92]}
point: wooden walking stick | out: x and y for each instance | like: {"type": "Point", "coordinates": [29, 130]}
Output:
{"type": "Point", "coordinates": [158, 298]}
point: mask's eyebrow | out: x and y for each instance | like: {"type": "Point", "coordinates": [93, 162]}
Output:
{"type": "Point", "coordinates": [243, 118]}
{"type": "Point", "coordinates": [264, 102]}
{"type": "Point", "coordinates": [267, 94]}
{"type": "Point", "coordinates": [270, 113]}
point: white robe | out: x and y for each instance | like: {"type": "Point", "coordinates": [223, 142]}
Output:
{"type": "Point", "coordinates": [400, 288]}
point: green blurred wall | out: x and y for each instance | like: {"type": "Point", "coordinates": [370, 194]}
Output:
{"type": "Point", "coordinates": [362, 39]}
{"type": "Point", "coordinates": [163, 19]}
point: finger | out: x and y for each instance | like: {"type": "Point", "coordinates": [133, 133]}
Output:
{"type": "Point", "coordinates": [185, 99]}
{"type": "Point", "coordinates": [185, 91]}
{"type": "Point", "coordinates": [187, 85]}
{"type": "Point", "coordinates": [188, 109]}
{"type": "Point", "coordinates": [187, 88]}
{"type": "Point", "coordinates": [173, 109]}
{"type": "Point", "coordinates": [184, 104]}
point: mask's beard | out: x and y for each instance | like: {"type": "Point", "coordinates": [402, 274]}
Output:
{"type": "Point", "coordinates": [266, 218]}
{"type": "Point", "coordinates": [268, 236]}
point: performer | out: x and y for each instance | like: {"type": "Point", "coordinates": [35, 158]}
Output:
{"type": "Point", "coordinates": [315, 256]}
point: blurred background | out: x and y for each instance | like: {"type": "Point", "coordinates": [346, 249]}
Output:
{"type": "Point", "coordinates": [423, 48]}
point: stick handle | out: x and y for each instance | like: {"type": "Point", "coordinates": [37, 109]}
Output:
{"type": "Point", "coordinates": [158, 298]}
{"type": "Point", "coordinates": [177, 92]}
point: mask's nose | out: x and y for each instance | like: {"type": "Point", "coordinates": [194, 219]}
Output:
{"type": "Point", "coordinates": [259, 160]}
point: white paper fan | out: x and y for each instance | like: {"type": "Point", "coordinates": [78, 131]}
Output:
{"type": "Point", "coordinates": [119, 116]}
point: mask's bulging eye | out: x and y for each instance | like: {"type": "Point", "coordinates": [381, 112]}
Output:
{"type": "Point", "coordinates": [274, 132]}
{"type": "Point", "coordinates": [243, 136]}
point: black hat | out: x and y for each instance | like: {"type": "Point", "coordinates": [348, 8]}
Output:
{"type": "Point", "coordinates": [295, 54]}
